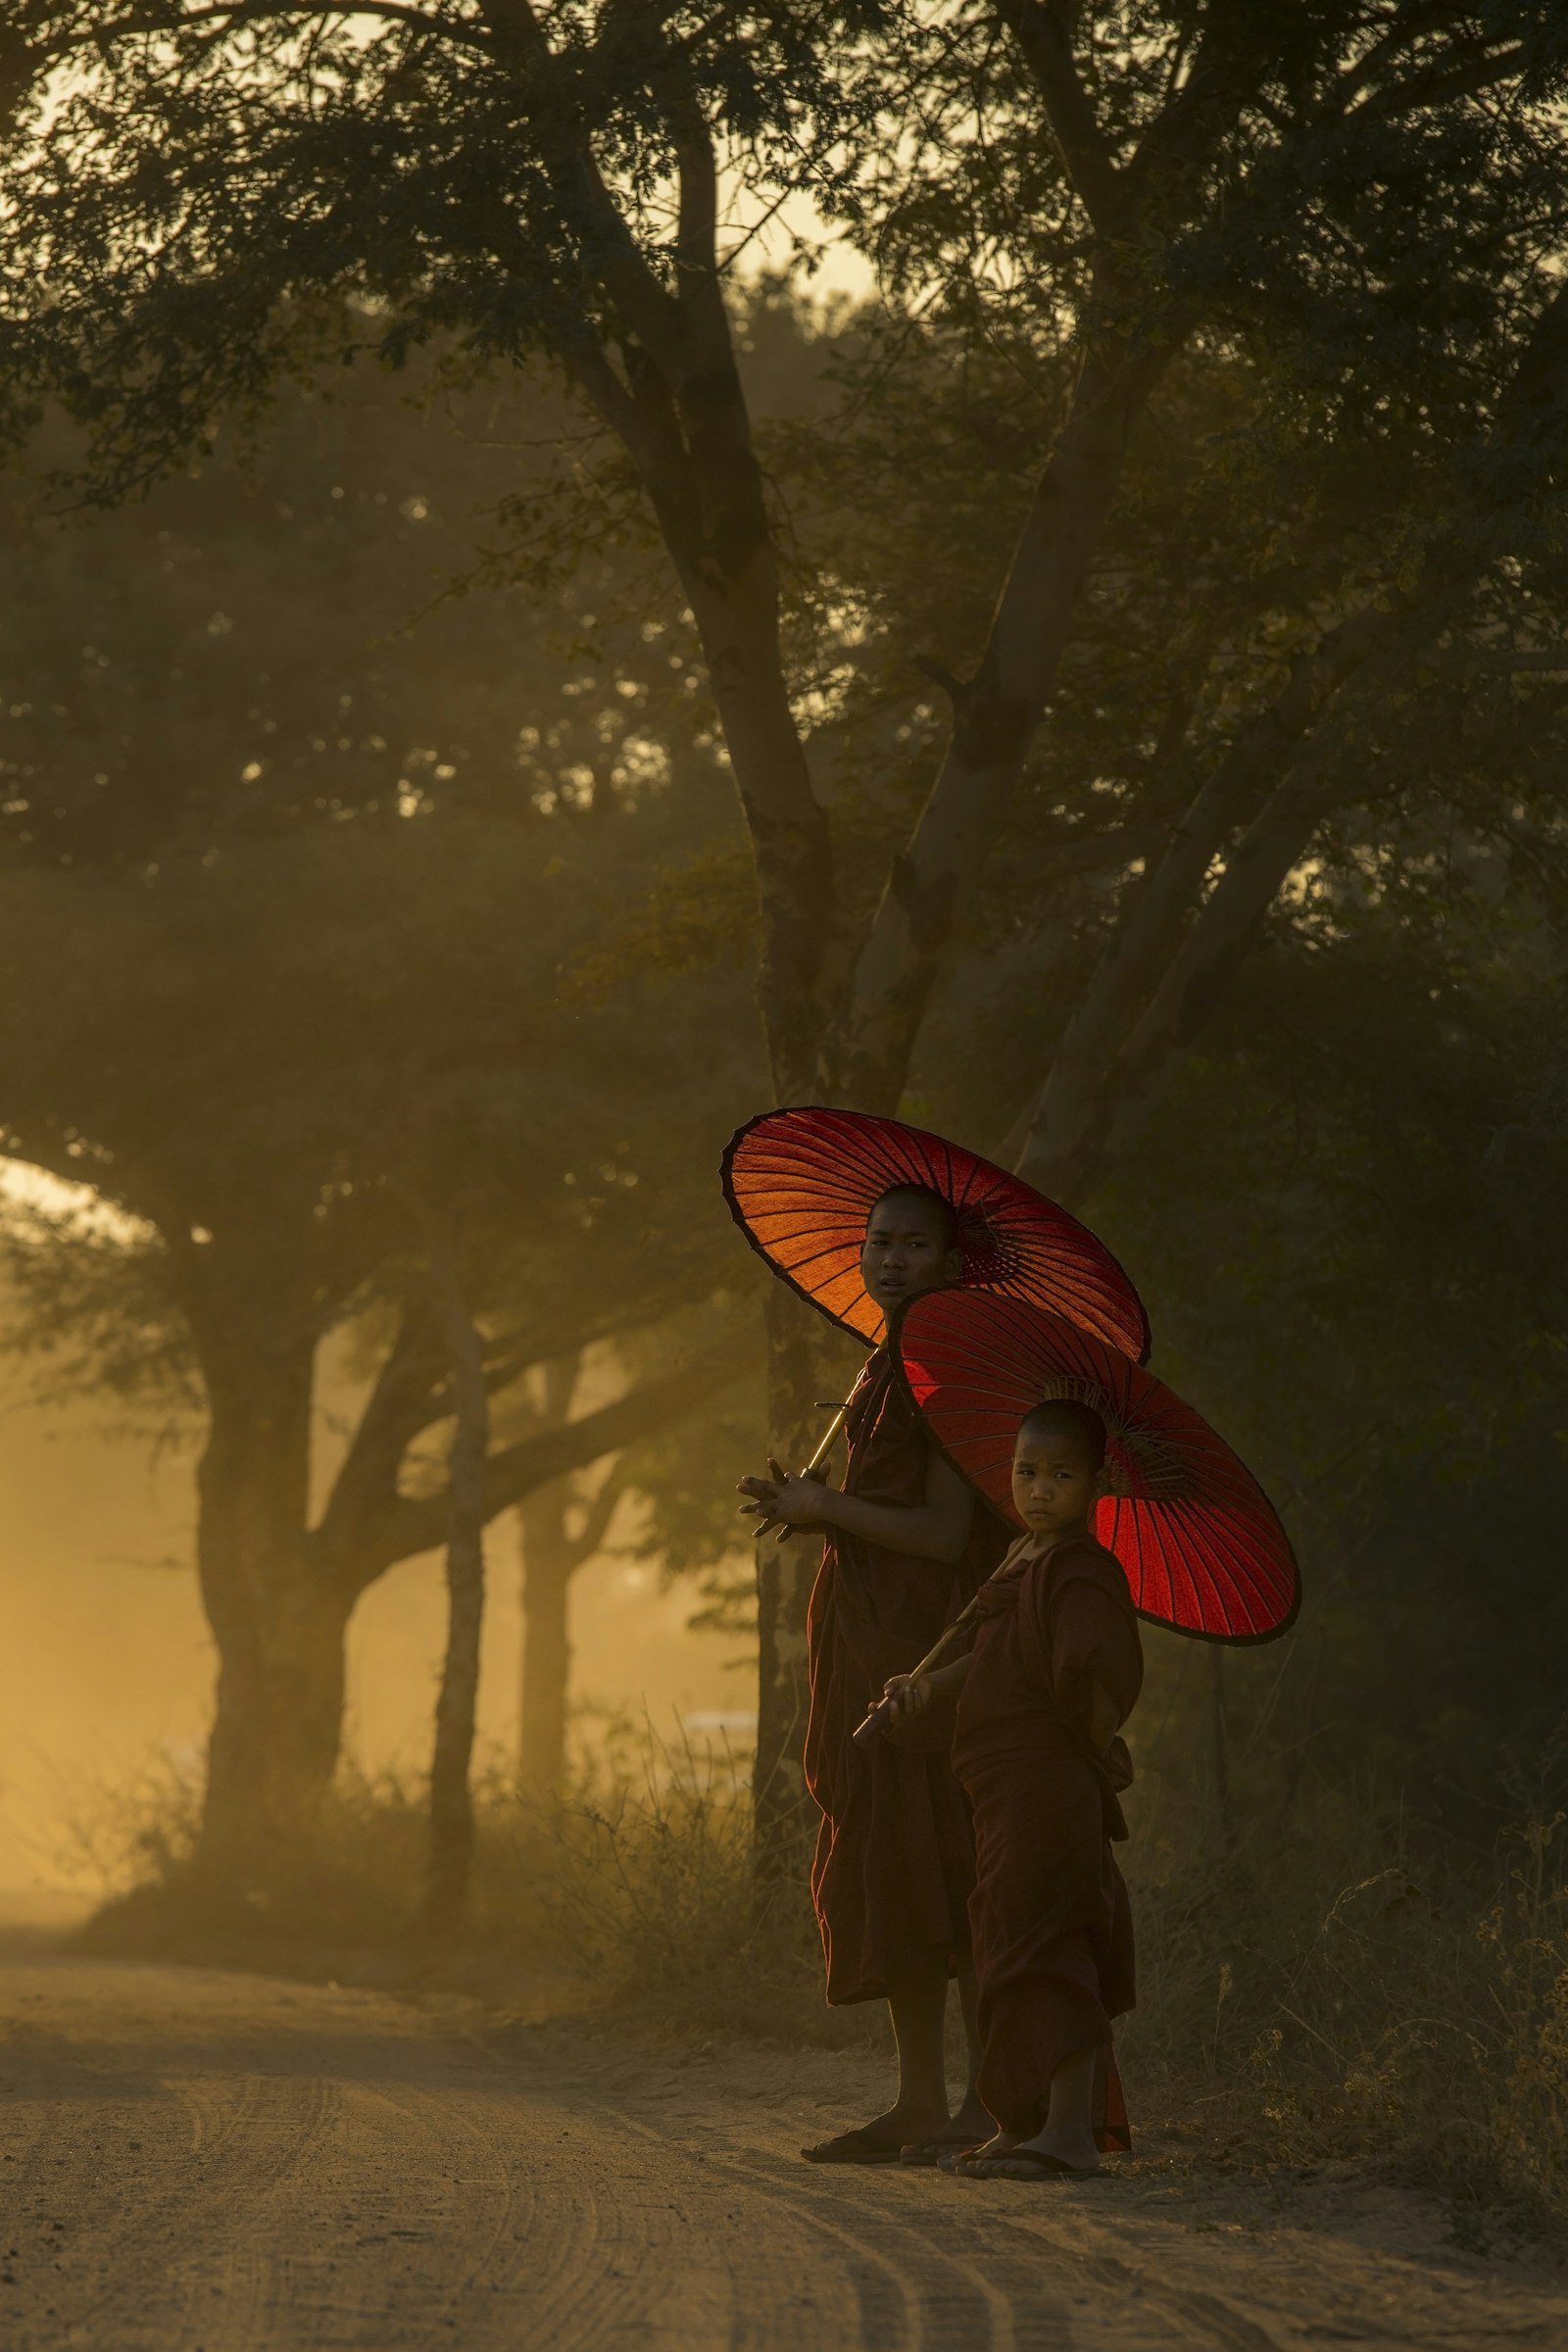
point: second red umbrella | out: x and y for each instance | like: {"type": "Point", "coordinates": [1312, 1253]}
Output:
{"type": "Point", "coordinates": [1202, 1545]}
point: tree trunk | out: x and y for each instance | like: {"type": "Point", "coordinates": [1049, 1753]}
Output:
{"type": "Point", "coordinates": [549, 1557]}
{"type": "Point", "coordinates": [451, 1848]}
{"type": "Point", "coordinates": [277, 1622]}
{"type": "Point", "coordinates": [996, 715]}
{"type": "Point", "coordinates": [803, 966]}
{"type": "Point", "coordinates": [785, 1574]}
{"type": "Point", "coordinates": [552, 1552]}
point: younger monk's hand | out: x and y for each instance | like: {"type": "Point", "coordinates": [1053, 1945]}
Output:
{"type": "Point", "coordinates": [907, 1694]}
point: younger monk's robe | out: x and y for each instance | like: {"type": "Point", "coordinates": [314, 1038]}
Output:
{"type": "Point", "coordinates": [1053, 1929]}
{"type": "Point", "coordinates": [895, 1854]}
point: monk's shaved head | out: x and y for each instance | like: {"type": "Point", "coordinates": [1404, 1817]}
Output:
{"type": "Point", "coordinates": [901, 1196]}
{"type": "Point", "coordinates": [1064, 1418]}
{"type": "Point", "coordinates": [912, 1245]}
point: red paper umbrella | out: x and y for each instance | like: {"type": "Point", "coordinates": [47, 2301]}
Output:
{"type": "Point", "coordinates": [802, 1182]}
{"type": "Point", "coordinates": [1198, 1537]}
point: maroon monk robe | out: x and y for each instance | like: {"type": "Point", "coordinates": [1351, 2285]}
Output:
{"type": "Point", "coordinates": [895, 1855]}
{"type": "Point", "coordinates": [1053, 1930]}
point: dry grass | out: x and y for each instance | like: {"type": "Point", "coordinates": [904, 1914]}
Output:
{"type": "Point", "coordinates": [1321, 1978]}
{"type": "Point", "coordinates": [1333, 1980]}
{"type": "Point", "coordinates": [637, 1894]}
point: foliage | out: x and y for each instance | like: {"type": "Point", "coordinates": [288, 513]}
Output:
{"type": "Point", "coordinates": [417, 161]}
{"type": "Point", "coordinates": [1298, 649]}
{"type": "Point", "coordinates": [319, 986]}
{"type": "Point", "coordinates": [313, 917]}
{"type": "Point", "coordinates": [1341, 228]}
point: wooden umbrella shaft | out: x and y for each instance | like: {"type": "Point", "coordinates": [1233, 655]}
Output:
{"type": "Point", "coordinates": [770, 1521]}
{"type": "Point", "coordinates": [826, 1446]}
{"type": "Point", "coordinates": [882, 1708]}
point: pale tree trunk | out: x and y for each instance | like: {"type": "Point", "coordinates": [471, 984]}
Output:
{"type": "Point", "coordinates": [548, 1562]}
{"type": "Point", "coordinates": [785, 1574]}
{"type": "Point", "coordinates": [278, 1623]}
{"type": "Point", "coordinates": [450, 1847]}
{"type": "Point", "coordinates": [547, 1565]}
{"type": "Point", "coordinates": [553, 1550]}
{"type": "Point", "coordinates": [561, 1528]}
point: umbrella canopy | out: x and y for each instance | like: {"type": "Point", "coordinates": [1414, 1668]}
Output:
{"type": "Point", "coordinates": [802, 1182]}
{"type": "Point", "coordinates": [1200, 1543]}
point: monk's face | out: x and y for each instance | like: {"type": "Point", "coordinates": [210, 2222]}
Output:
{"type": "Point", "coordinates": [907, 1251]}
{"type": "Point", "coordinates": [1055, 1484]}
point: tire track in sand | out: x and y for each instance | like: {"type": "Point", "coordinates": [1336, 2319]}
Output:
{"type": "Point", "coordinates": [205, 2163]}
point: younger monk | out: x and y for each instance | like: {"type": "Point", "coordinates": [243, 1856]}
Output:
{"type": "Point", "coordinates": [895, 1856]}
{"type": "Point", "coordinates": [1054, 1669]}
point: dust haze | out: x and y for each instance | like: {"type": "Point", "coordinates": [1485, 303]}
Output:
{"type": "Point", "coordinates": [110, 1667]}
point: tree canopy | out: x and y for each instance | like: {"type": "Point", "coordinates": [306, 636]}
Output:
{"type": "Point", "coordinates": [1160, 582]}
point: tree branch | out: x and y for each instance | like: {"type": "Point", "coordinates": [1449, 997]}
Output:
{"type": "Point", "coordinates": [399, 1407]}
{"type": "Point", "coordinates": [1146, 940]}
{"type": "Point", "coordinates": [407, 1524]}
{"type": "Point", "coordinates": [1553, 660]}
{"type": "Point", "coordinates": [1099, 1106]}
{"type": "Point", "coordinates": [994, 721]}
{"type": "Point", "coordinates": [606, 1500]}
{"type": "Point", "coordinates": [1430, 87]}
{"type": "Point", "coordinates": [1228, 921]}
{"type": "Point", "coordinates": [1046, 46]}
{"type": "Point", "coordinates": [251, 11]}
{"type": "Point", "coordinates": [1184, 135]}
{"type": "Point", "coordinates": [560, 122]}
{"type": "Point", "coordinates": [413, 1393]}
{"type": "Point", "coordinates": [1407, 28]}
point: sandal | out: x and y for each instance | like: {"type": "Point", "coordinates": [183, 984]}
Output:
{"type": "Point", "coordinates": [1038, 2165]}
{"type": "Point", "coordinates": [854, 2147]}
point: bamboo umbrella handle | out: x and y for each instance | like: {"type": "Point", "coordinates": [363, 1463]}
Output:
{"type": "Point", "coordinates": [812, 1467]}
{"type": "Point", "coordinates": [824, 1447]}
{"type": "Point", "coordinates": [881, 1708]}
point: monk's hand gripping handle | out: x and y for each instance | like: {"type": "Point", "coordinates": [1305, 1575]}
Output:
{"type": "Point", "coordinates": [816, 1467]}
{"type": "Point", "coordinates": [811, 1471]}
{"type": "Point", "coordinates": [880, 1711]}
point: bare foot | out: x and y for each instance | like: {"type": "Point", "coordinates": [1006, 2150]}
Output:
{"type": "Point", "coordinates": [880, 2141]}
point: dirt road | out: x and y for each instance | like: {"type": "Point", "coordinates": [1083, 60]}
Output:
{"type": "Point", "coordinates": [191, 2162]}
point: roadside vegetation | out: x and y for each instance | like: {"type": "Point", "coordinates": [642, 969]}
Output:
{"type": "Point", "coordinates": [1325, 1977]}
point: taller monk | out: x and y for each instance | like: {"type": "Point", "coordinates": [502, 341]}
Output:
{"type": "Point", "coordinates": [905, 1548]}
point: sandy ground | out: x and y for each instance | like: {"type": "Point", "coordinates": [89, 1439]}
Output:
{"type": "Point", "coordinates": [194, 2162]}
